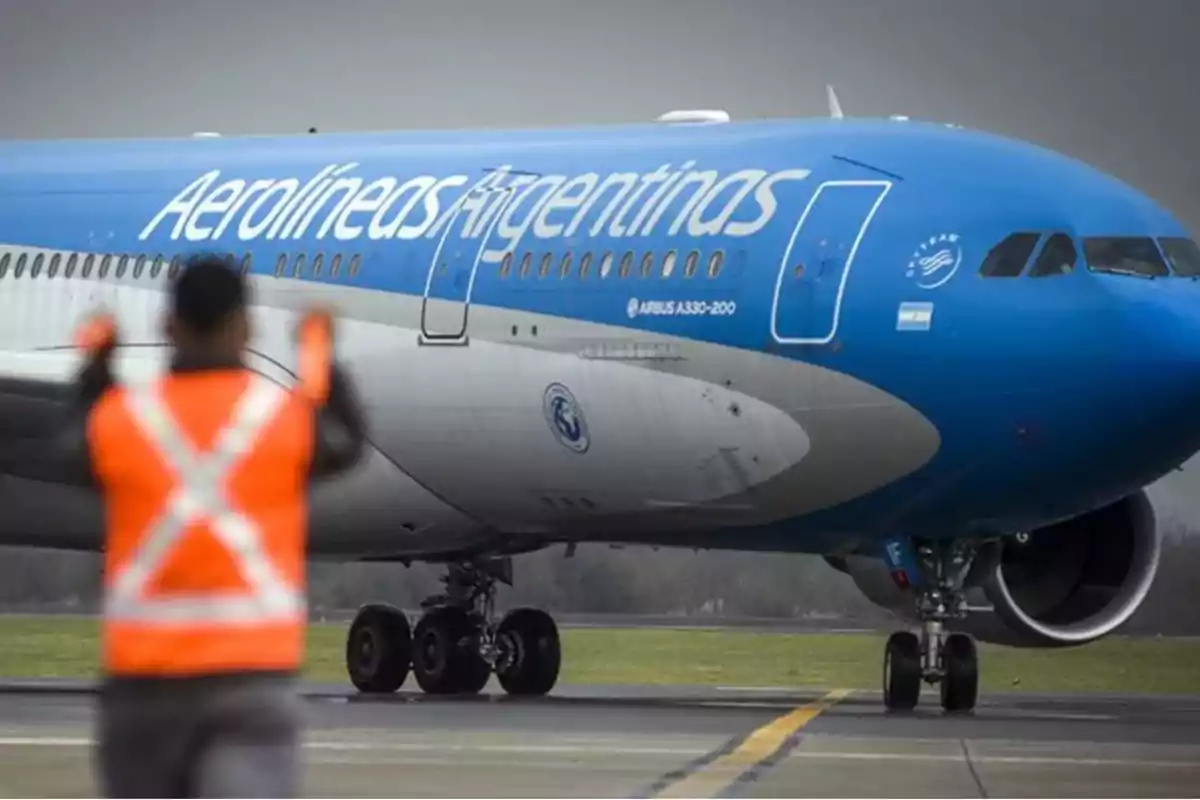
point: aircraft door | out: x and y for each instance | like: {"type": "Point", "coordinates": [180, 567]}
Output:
{"type": "Point", "coordinates": [816, 265]}
{"type": "Point", "coordinates": [451, 279]}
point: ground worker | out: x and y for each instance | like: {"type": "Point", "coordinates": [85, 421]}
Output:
{"type": "Point", "coordinates": [203, 473]}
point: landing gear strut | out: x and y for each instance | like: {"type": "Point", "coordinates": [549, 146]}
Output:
{"type": "Point", "coordinates": [935, 657]}
{"type": "Point", "coordinates": [456, 645]}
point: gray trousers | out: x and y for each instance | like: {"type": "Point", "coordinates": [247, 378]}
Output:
{"type": "Point", "coordinates": [219, 736]}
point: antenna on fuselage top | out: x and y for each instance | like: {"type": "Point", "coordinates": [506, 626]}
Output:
{"type": "Point", "coordinates": [701, 116]}
{"type": "Point", "coordinates": [835, 108]}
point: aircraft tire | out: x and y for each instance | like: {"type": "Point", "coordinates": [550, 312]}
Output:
{"type": "Point", "coordinates": [533, 650]}
{"type": "Point", "coordinates": [960, 678]}
{"type": "Point", "coordinates": [474, 674]}
{"type": "Point", "coordinates": [445, 660]}
{"type": "Point", "coordinates": [378, 649]}
{"type": "Point", "coordinates": [902, 671]}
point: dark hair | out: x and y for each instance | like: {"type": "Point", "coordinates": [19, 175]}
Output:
{"type": "Point", "coordinates": [208, 292]}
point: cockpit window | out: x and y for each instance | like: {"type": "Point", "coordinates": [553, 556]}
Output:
{"type": "Point", "coordinates": [1008, 259]}
{"type": "Point", "coordinates": [1183, 254]}
{"type": "Point", "coordinates": [1058, 257]}
{"type": "Point", "coordinates": [1124, 255]}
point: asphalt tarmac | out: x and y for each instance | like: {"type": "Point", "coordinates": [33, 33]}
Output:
{"type": "Point", "coordinates": [651, 741]}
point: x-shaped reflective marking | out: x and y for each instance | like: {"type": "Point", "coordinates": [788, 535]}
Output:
{"type": "Point", "coordinates": [200, 494]}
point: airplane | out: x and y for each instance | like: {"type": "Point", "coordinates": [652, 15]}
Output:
{"type": "Point", "coordinates": [947, 361]}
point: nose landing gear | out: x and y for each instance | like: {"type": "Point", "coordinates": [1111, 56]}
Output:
{"type": "Point", "coordinates": [949, 661]}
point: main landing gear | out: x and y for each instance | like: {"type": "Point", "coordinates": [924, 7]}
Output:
{"type": "Point", "coordinates": [455, 645]}
{"type": "Point", "coordinates": [935, 657]}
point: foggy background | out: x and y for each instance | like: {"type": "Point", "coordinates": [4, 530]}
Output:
{"type": "Point", "coordinates": [1112, 83]}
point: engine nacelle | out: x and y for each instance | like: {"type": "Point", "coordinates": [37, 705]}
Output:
{"type": "Point", "coordinates": [1066, 584]}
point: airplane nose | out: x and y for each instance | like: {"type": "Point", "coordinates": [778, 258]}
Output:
{"type": "Point", "coordinates": [1166, 336]}
{"type": "Point", "coordinates": [1155, 368]}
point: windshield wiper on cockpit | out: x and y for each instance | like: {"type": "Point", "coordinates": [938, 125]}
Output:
{"type": "Point", "coordinates": [1133, 273]}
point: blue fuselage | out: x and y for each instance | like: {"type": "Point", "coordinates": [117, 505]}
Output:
{"type": "Point", "coordinates": [906, 328]}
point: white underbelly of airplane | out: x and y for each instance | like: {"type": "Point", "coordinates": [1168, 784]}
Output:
{"type": "Point", "coordinates": [528, 438]}
{"type": "Point", "coordinates": [524, 436]}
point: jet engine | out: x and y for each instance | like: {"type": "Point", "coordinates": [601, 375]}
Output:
{"type": "Point", "coordinates": [1062, 585]}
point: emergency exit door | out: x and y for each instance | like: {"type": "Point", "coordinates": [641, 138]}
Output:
{"type": "Point", "coordinates": [817, 262]}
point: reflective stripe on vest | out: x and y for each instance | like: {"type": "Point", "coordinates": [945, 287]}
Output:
{"type": "Point", "coordinates": [200, 496]}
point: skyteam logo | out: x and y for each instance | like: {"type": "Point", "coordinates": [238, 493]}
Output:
{"type": "Point", "coordinates": [565, 418]}
{"type": "Point", "coordinates": [935, 260]}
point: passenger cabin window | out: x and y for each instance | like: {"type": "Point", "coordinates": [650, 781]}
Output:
{"type": "Point", "coordinates": [506, 264]}
{"type": "Point", "coordinates": [1058, 257]}
{"type": "Point", "coordinates": [36, 269]}
{"type": "Point", "coordinates": [647, 264]}
{"type": "Point", "coordinates": [1008, 258]}
{"type": "Point", "coordinates": [668, 264]}
{"type": "Point", "coordinates": [1124, 255]}
{"type": "Point", "coordinates": [19, 269]}
{"type": "Point", "coordinates": [72, 262]}
{"type": "Point", "coordinates": [355, 264]}
{"type": "Point", "coordinates": [1183, 254]}
{"type": "Point", "coordinates": [606, 264]}
{"type": "Point", "coordinates": [4, 259]}
{"type": "Point", "coordinates": [585, 265]}
{"type": "Point", "coordinates": [715, 261]}
{"type": "Point", "coordinates": [335, 266]}
{"type": "Point", "coordinates": [52, 270]}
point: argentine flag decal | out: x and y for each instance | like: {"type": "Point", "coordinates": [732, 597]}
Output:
{"type": "Point", "coordinates": [914, 317]}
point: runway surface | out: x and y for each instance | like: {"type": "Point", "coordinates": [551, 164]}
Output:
{"type": "Point", "coordinates": [650, 741]}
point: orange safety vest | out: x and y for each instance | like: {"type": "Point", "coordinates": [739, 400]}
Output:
{"type": "Point", "coordinates": [204, 476]}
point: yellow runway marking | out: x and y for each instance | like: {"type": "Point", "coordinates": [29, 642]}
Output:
{"type": "Point", "coordinates": [709, 779]}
